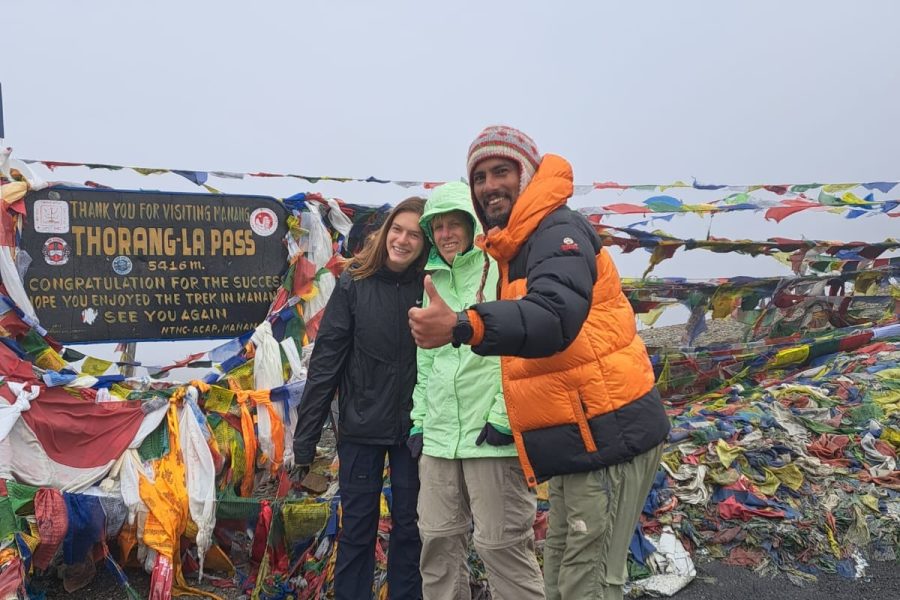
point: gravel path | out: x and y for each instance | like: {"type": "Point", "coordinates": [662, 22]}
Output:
{"type": "Point", "coordinates": [718, 581]}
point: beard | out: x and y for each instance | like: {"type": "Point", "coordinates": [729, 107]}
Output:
{"type": "Point", "coordinates": [500, 220]}
{"type": "Point", "coordinates": [499, 217]}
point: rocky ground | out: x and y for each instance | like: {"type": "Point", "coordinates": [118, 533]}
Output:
{"type": "Point", "coordinates": [105, 587]}
{"type": "Point", "coordinates": [717, 331]}
{"type": "Point", "coordinates": [718, 581]}
{"type": "Point", "coordinates": [715, 581]}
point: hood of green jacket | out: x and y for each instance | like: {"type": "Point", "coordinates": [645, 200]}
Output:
{"type": "Point", "coordinates": [447, 198]}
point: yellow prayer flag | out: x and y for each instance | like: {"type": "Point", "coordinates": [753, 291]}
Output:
{"type": "Point", "coordinates": [166, 497]}
{"type": "Point", "coordinates": [832, 541]}
{"type": "Point", "coordinates": [148, 171]}
{"type": "Point", "coordinates": [789, 356]}
{"type": "Point", "coordinates": [891, 436]}
{"type": "Point", "coordinates": [699, 208]}
{"type": "Point", "coordinates": [51, 360]}
{"type": "Point", "coordinates": [866, 284]}
{"type": "Point", "coordinates": [851, 198]}
{"type": "Point", "coordinates": [783, 257]}
{"type": "Point", "coordinates": [219, 399]}
{"type": "Point", "coordinates": [723, 303]}
{"type": "Point", "coordinates": [119, 391]}
{"type": "Point", "coordinates": [723, 476]}
{"type": "Point", "coordinates": [892, 374]}
{"type": "Point", "coordinates": [769, 485]}
{"type": "Point", "coordinates": [834, 188]}
{"type": "Point", "coordinates": [727, 453]}
{"type": "Point", "coordinates": [789, 475]}
{"type": "Point", "coordinates": [95, 366]}
{"type": "Point", "coordinates": [13, 192]}
{"type": "Point", "coordinates": [650, 317]}
{"type": "Point", "coordinates": [871, 502]}
{"type": "Point", "coordinates": [677, 184]}
{"type": "Point", "coordinates": [662, 381]}
{"type": "Point", "coordinates": [312, 293]}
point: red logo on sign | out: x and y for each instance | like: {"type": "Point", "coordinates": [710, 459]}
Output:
{"type": "Point", "coordinates": [56, 251]}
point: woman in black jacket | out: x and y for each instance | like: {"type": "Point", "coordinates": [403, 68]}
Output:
{"type": "Point", "coordinates": [364, 350]}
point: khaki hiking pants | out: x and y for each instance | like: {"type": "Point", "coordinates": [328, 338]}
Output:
{"type": "Point", "coordinates": [591, 521]}
{"type": "Point", "coordinates": [492, 491]}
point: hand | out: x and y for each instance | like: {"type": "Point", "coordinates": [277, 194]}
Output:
{"type": "Point", "coordinates": [299, 472]}
{"type": "Point", "coordinates": [414, 443]}
{"type": "Point", "coordinates": [493, 437]}
{"type": "Point", "coordinates": [432, 326]}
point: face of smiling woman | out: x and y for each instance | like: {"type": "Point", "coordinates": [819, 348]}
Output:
{"type": "Point", "coordinates": [404, 242]}
{"type": "Point", "coordinates": [452, 234]}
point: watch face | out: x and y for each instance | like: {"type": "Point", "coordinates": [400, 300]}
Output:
{"type": "Point", "coordinates": [462, 332]}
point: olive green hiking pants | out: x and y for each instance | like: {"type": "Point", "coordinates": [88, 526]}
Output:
{"type": "Point", "coordinates": [592, 518]}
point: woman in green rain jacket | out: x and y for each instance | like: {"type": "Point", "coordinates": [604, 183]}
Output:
{"type": "Point", "coordinates": [468, 467]}
{"type": "Point", "coordinates": [457, 391]}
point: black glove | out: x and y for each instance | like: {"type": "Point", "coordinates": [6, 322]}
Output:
{"type": "Point", "coordinates": [298, 472]}
{"type": "Point", "coordinates": [414, 443]}
{"type": "Point", "coordinates": [493, 437]}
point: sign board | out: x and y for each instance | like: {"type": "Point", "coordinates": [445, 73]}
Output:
{"type": "Point", "coordinates": [111, 265]}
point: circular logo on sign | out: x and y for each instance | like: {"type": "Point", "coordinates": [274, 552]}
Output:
{"type": "Point", "coordinates": [56, 251]}
{"type": "Point", "coordinates": [263, 221]}
{"type": "Point", "coordinates": [121, 265]}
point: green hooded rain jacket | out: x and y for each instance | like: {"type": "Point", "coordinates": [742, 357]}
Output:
{"type": "Point", "coordinates": [457, 391]}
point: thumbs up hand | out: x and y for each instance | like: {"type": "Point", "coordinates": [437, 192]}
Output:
{"type": "Point", "coordinates": [432, 326]}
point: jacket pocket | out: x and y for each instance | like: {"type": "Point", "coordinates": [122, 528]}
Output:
{"type": "Point", "coordinates": [581, 420]}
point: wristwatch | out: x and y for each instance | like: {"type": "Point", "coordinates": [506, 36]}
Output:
{"type": "Point", "coordinates": [462, 331]}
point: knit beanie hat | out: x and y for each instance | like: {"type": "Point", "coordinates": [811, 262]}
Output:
{"type": "Point", "coordinates": [499, 141]}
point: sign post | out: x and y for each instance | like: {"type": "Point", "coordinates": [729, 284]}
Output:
{"type": "Point", "coordinates": [128, 353]}
{"type": "Point", "coordinates": [125, 266]}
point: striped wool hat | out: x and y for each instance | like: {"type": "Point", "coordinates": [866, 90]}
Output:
{"type": "Point", "coordinates": [505, 142]}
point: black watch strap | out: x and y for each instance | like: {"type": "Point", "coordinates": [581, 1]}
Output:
{"type": "Point", "coordinates": [462, 331]}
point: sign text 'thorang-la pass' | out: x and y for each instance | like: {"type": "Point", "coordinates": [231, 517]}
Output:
{"type": "Point", "coordinates": [110, 265]}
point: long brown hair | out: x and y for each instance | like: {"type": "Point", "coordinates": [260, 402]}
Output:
{"type": "Point", "coordinates": [374, 254]}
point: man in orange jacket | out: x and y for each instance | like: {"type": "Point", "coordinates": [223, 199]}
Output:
{"type": "Point", "coordinates": [579, 387]}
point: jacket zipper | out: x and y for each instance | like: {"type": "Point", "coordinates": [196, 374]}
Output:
{"type": "Point", "coordinates": [456, 375]}
{"type": "Point", "coordinates": [586, 436]}
{"type": "Point", "coordinates": [397, 434]}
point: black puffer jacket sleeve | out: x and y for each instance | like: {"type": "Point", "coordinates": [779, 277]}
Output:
{"type": "Point", "coordinates": [326, 365]}
{"type": "Point", "coordinates": [559, 264]}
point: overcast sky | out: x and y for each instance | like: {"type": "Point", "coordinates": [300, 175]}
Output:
{"type": "Point", "coordinates": [636, 92]}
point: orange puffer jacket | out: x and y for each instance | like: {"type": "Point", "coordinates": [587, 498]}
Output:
{"type": "Point", "coordinates": [578, 383]}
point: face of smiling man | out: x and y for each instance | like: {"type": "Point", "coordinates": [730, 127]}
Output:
{"type": "Point", "coordinates": [495, 183]}
{"type": "Point", "coordinates": [452, 234]}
